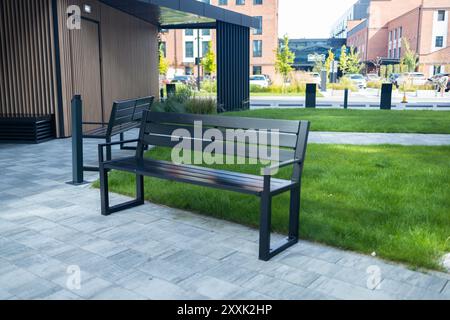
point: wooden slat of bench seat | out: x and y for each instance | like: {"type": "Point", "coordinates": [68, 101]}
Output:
{"type": "Point", "coordinates": [233, 181]}
{"type": "Point", "coordinates": [285, 126]}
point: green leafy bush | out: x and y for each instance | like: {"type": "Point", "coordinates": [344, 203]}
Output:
{"type": "Point", "coordinates": [209, 86]}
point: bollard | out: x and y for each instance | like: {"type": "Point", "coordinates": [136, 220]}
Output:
{"type": "Point", "coordinates": [346, 99]}
{"type": "Point", "coordinates": [77, 141]}
{"type": "Point", "coordinates": [386, 96]}
{"type": "Point", "coordinates": [323, 81]}
{"type": "Point", "coordinates": [171, 90]}
{"type": "Point", "coordinates": [311, 93]}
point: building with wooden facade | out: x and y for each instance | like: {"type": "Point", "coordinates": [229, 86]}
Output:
{"type": "Point", "coordinates": [105, 50]}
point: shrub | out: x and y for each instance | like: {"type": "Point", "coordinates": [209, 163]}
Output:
{"type": "Point", "coordinates": [201, 106]}
{"type": "Point", "coordinates": [374, 84]}
{"type": "Point", "coordinates": [209, 86]}
{"type": "Point", "coordinates": [343, 84]}
{"type": "Point", "coordinates": [183, 94]}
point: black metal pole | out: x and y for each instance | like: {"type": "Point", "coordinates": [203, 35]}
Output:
{"type": "Point", "coordinates": [346, 99]}
{"type": "Point", "coordinates": [198, 60]}
{"type": "Point", "coordinates": [77, 140]}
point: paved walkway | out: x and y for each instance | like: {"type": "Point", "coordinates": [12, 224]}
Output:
{"type": "Point", "coordinates": [48, 229]}
{"type": "Point", "coordinates": [355, 138]}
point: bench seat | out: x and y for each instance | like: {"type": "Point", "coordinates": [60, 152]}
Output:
{"type": "Point", "coordinates": [213, 178]}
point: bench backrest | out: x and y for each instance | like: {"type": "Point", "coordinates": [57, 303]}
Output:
{"type": "Point", "coordinates": [128, 111]}
{"type": "Point", "coordinates": [157, 129]}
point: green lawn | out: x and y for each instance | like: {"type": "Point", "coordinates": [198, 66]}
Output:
{"type": "Point", "coordinates": [360, 120]}
{"type": "Point", "coordinates": [391, 200]}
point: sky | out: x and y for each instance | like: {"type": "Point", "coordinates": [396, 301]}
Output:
{"type": "Point", "coordinates": [310, 18]}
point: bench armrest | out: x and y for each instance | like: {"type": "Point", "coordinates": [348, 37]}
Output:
{"type": "Point", "coordinates": [102, 146]}
{"type": "Point", "coordinates": [269, 171]}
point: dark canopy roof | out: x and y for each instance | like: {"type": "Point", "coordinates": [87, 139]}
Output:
{"type": "Point", "coordinates": [181, 13]}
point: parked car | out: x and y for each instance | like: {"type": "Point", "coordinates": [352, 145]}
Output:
{"type": "Point", "coordinates": [435, 80]}
{"type": "Point", "coordinates": [315, 78]}
{"type": "Point", "coordinates": [187, 80]}
{"type": "Point", "coordinates": [259, 80]}
{"type": "Point", "coordinates": [393, 78]}
{"type": "Point", "coordinates": [373, 77]}
{"type": "Point", "coordinates": [358, 80]}
{"type": "Point", "coordinates": [414, 78]}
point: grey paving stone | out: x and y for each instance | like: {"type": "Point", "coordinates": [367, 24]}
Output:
{"type": "Point", "coordinates": [402, 290]}
{"type": "Point", "coordinates": [343, 290]}
{"type": "Point", "coordinates": [279, 289]}
{"type": "Point", "coordinates": [129, 258]}
{"type": "Point", "coordinates": [116, 293]}
{"type": "Point", "coordinates": [36, 289]}
{"type": "Point", "coordinates": [155, 252]}
{"type": "Point", "coordinates": [211, 287]}
{"type": "Point", "coordinates": [157, 289]}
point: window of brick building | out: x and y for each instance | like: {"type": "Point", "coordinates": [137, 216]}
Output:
{"type": "Point", "coordinates": [240, 2]}
{"type": "Point", "coordinates": [257, 70]}
{"type": "Point", "coordinates": [441, 15]}
{"type": "Point", "coordinates": [255, 2]}
{"type": "Point", "coordinates": [189, 49]}
{"type": "Point", "coordinates": [439, 42]}
{"type": "Point", "coordinates": [259, 30]}
{"type": "Point", "coordinates": [223, 2]}
{"type": "Point", "coordinates": [257, 48]}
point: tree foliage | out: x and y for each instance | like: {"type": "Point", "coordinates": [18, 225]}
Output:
{"type": "Point", "coordinates": [209, 60]}
{"type": "Point", "coordinates": [410, 58]}
{"type": "Point", "coordinates": [343, 60]}
{"type": "Point", "coordinates": [354, 64]}
{"type": "Point", "coordinates": [329, 61]}
{"type": "Point", "coordinates": [163, 62]}
{"type": "Point", "coordinates": [284, 59]}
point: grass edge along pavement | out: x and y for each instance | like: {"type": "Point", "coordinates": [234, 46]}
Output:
{"type": "Point", "coordinates": [364, 121]}
{"type": "Point", "coordinates": [392, 200]}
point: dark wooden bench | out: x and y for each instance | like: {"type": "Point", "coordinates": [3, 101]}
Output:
{"type": "Point", "coordinates": [125, 115]}
{"type": "Point", "coordinates": [158, 130]}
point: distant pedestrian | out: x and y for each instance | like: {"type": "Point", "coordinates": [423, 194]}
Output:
{"type": "Point", "coordinates": [443, 82]}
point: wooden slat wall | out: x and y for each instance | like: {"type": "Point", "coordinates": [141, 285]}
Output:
{"type": "Point", "coordinates": [27, 61]}
{"type": "Point", "coordinates": [129, 49]}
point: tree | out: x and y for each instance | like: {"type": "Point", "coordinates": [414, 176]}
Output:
{"type": "Point", "coordinates": [209, 60]}
{"type": "Point", "coordinates": [284, 60]}
{"type": "Point", "coordinates": [209, 64]}
{"type": "Point", "coordinates": [354, 64]}
{"type": "Point", "coordinates": [318, 63]}
{"type": "Point", "coordinates": [410, 58]}
{"type": "Point", "coordinates": [329, 61]}
{"type": "Point", "coordinates": [343, 60]}
{"type": "Point", "coordinates": [163, 62]}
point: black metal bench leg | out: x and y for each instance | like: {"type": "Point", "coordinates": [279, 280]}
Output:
{"type": "Point", "coordinates": [294, 214]}
{"type": "Point", "coordinates": [104, 194]}
{"type": "Point", "coordinates": [266, 251]}
{"type": "Point", "coordinates": [265, 226]}
{"type": "Point", "coordinates": [140, 189]}
{"type": "Point", "coordinates": [122, 138]}
{"type": "Point", "coordinates": [104, 191]}
{"type": "Point", "coordinates": [108, 150]}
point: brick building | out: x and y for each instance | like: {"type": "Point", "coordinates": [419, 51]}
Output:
{"type": "Point", "coordinates": [182, 47]}
{"type": "Point", "coordinates": [424, 23]}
